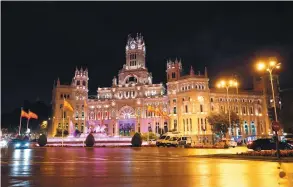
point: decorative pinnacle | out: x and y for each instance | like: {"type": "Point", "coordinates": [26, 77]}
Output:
{"type": "Point", "coordinates": [205, 72]}
{"type": "Point", "coordinates": [58, 81]}
{"type": "Point", "coordinates": [191, 71]}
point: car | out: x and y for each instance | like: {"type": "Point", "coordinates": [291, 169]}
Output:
{"type": "Point", "coordinates": [19, 144]}
{"type": "Point", "coordinates": [172, 141]}
{"type": "Point", "coordinates": [268, 144]}
{"type": "Point", "coordinates": [178, 140]}
{"type": "Point", "coordinates": [164, 139]}
{"type": "Point", "coordinates": [230, 143]}
{"type": "Point", "coordinates": [3, 143]}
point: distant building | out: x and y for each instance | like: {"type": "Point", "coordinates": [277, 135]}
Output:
{"type": "Point", "coordinates": [122, 109]}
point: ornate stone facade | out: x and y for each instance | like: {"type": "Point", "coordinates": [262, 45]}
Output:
{"type": "Point", "coordinates": [122, 108]}
{"type": "Point", "coordinates": [117, 110]}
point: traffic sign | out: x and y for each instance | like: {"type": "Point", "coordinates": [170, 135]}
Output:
{"type": "Point", "coordinates": [276, 126]}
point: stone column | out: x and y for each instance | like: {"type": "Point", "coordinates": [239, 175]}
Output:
{"type": "Point", "coordinates": [116, 128]}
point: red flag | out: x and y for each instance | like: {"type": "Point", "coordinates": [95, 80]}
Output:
{"type": "Point", "coordinates": [32, 115]}
{"type": "Point", "coordinates": [24, 114]}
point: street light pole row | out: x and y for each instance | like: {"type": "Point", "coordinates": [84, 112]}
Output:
{"type": "Point", "coordinates": [227, 85]}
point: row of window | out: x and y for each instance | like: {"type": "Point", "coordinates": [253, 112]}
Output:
{"type": "Point", "coordinates": [244, 109]}
{"type": "Point", "coordinates": [78, 83]}
{"type": "Point", "coordinates": [235, 100]}
{"type": "Point", "coordinates": [186, 109]}
{"type": "Point", "coordinates": [132, 56]}
{"type": "Point", "coordinates": [198, 87]}
{"type": "Point", "coordinates": [64, 96]}
{"type": "Point", "coordinates": [132, 63]}
{"type": "Point", "coordinates": [187, 124]}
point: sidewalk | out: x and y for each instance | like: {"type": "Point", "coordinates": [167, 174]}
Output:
{"type": "Point", "coordinates": [241, 157]}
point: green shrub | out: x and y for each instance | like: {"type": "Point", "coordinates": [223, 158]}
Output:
{"type": "Point", "coordinates": [42, 141]}
{"type": "Point", "coordinates": [136, 140]}
{"type": "Point", "coordinates": [90, 140]}
{"type": "Point", "coordinates": [151, 136]}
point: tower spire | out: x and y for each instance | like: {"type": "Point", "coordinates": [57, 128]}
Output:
{"type": "Point", "coordinates": [205, 72]}
{"type": "Point", "coordinates": [58, 82]}
{"type": "Point", "coordinates": [191, 71]}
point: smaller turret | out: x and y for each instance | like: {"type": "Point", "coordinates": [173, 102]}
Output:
{"type": "Point", "coordinates": [173, 70]}
{"type": "Point", "coordinates": [80, 79]}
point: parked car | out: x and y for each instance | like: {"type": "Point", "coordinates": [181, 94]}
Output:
{"type": "Point", "coordinates": [161, 140]}
{"type": "Point", "coordinates": [165, 138]}
{"type": "Point", "coordinates": [172, 141]}
{"type": "Point", "coordinates": [3, 143]}
{"type": "Point", "coordinates": [268, 144]}
{"type": "Point", "coordinates": [230, 143]}
{"type": "Point", "coordinates": [19, 144]}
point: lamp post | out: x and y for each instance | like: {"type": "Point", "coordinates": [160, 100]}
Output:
{"type": "Point", "coordinates": [227, 85]}
{"type": "Point", "coordinates": [269, 67]}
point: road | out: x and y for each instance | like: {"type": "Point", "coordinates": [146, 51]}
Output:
{"type": "Point", "coordinates": [143, 167]}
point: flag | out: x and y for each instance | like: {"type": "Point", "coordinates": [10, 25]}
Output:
{"type": "Point", "coordinates": [67, 105]}
{"type": "Point", "coordinates": [24, 114]}
{"type": "Point", "coordinates": [151, 109]}
{"type": "Point", "coordinates": [32, 115]}
{"type": "Point", "coordinates": [157, 112]}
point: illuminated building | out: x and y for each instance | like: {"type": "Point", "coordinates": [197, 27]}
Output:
{"type": "Point", "coordinates": [122, 108]}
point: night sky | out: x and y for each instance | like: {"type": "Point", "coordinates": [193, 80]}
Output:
{"type": "Point", "coordinates": [41, 41]}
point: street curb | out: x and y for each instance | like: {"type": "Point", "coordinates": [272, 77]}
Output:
{"type": "Point", "coordinates": [239, 157]}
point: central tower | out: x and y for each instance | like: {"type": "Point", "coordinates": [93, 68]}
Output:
{"type": "Point", "coordinates": [135, 52]}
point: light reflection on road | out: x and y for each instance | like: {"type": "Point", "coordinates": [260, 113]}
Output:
{"type": "Point", "coordinates": [135, 167]}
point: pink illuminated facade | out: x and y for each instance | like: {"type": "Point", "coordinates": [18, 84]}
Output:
{"type": "Point", "coordinates": [117, 110]}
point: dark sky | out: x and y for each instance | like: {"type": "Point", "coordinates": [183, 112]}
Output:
{"type": "Point", "coordinates": [45, 40]}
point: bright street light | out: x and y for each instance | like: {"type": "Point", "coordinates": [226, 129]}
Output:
{"type": "Point", "coordinates": [227, 85]}
{"type": "Point", "coordinates": [270, 66]}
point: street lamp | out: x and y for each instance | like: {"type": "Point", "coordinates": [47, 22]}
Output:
{"type": "Point", "coordinates": [270, 66]}
{"type": "Point", "coordinates": [227, 85]}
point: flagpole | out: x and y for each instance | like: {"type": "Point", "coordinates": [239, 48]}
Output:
{"type": "Point", "coordinates": [19, 121]}
{"type": "Point", "coordinates": [63, 120]}
{"type": "Point", "coordinates": [28, 119]}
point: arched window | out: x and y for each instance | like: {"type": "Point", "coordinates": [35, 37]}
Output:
{"type": "Point", "coordinates": [173, 75]}
{"type": "Point", "coordinates": [201, 108]}
{"type": "Point", "coordinates": [175, 124]}
{"type": "Point", "coordinates": [253, 131]}
{"type": "Point", "coordinates": [184, 125]}
{"type": "Point", "coordinates": [190, 123]}
{"type": "Point", "coordinates": [82, 127]}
